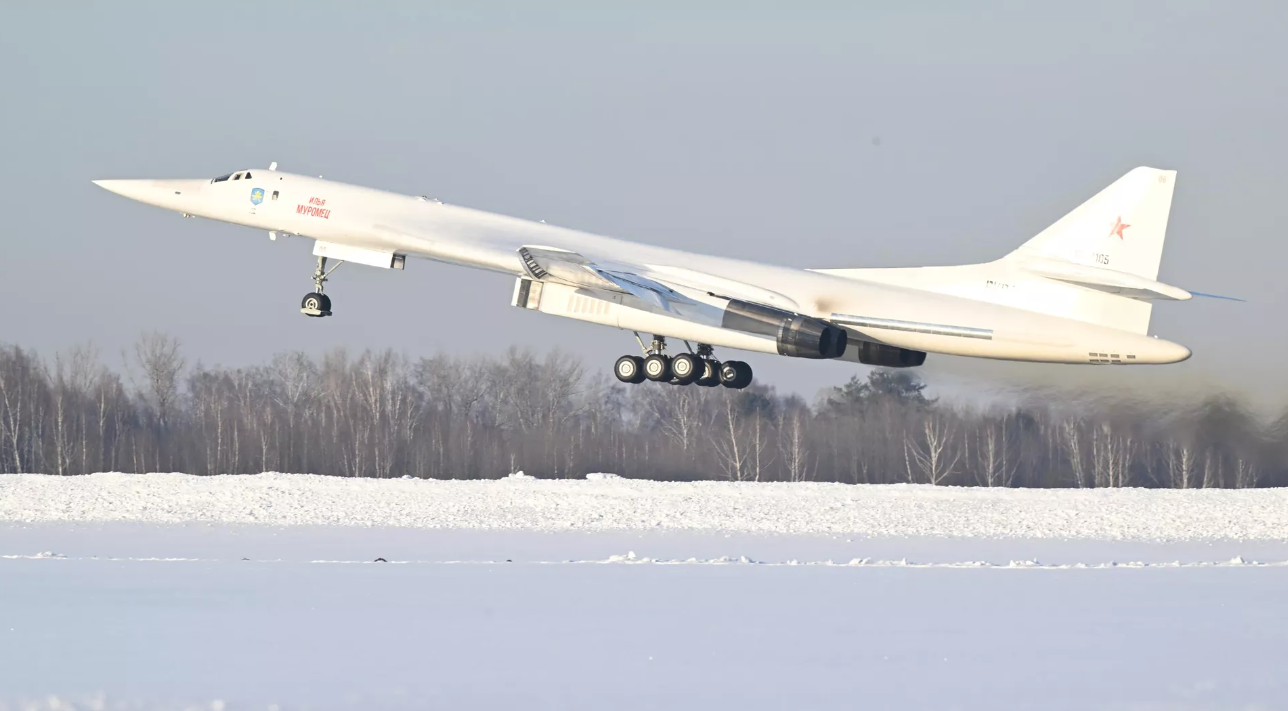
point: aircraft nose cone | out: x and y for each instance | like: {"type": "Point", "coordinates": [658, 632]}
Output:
{"type": "Point", "coordinates": [182, 195]}
{"type": "Point", "coordinates": [133, 189]}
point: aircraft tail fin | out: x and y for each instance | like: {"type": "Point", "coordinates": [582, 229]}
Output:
{"type": "Point", "coordinates": [1121, 228]}
{"type": "Point", "coordinates": [1097, 264]}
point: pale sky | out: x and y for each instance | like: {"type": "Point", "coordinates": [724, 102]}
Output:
{"type": "Point", "coordinates": [811, 134]}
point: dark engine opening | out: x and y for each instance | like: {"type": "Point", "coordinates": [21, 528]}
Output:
{"type": "Point", "coordinates": [889, 356]}
{"type": "Point", "coordinates": [796, 335]}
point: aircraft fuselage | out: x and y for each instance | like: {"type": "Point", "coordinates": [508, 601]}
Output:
{"type": "Point", "coordinates": [903, 316]}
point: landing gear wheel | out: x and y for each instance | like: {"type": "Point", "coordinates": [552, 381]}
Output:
{"type": "Point", "coordinates": [657, 368]}
{"type": "Point", "coordinates": [629, 369]}
{"type": "Point", "coordinates": [710, 377]}
{"type": "Point", "coordinates": [316, 305]}
{"type": "Point", "coordinates": [735, 374]}
{"type": "Point", "coordinates": [728, 373]}
{"type": "Point", "coordinates": [686, 368]}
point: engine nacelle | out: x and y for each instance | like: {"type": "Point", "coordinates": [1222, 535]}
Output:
{"type": "Point", "coordinates": [888, 356]}
{"type": "Point", "coordinates": [796, 335]}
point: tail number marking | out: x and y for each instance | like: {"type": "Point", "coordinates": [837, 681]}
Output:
{"type": "Point", "coordinates": [1098, 257]}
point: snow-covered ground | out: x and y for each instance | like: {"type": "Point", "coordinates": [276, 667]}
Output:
{"type": "Point", "coordinates": [608, 503]}
{"type": "Point", "coordinates": [174, 592]}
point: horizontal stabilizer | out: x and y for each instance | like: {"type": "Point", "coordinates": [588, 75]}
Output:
{"type": "Point", "coordinates": [1217, 296]}
{"type": "Point", "coordinates": [1109, 281]}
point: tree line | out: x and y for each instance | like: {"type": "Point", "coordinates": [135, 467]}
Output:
{"type": "Point", "coordinates": [380, 414]}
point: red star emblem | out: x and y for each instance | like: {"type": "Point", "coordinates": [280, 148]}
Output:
{"type": "Point", "coordinates": [1118, 227]}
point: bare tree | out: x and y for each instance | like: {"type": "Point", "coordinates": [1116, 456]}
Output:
{"type": "Point", "coordinates": [296, 393]}
{"type": "Point", "coordinates": [1071, 439]}
{"type": "Point", "coordinates": [1181, 460]}
{"type": "Point", "coordinates": [996, 460]}
{"type": "Point", "coordinates": [682, 414]}
{"type": "Point", "coordinates": [732, 450]}
{"type": "Point", "coordinates": [929, 452]}
{"type": "Point", "coordinates": [159, 357]}
{"type": "Point", "coordinates": [792, 444]}
{"type": "Point", "coordinates": [22, 387]}
{"type": "Point", "coordinates": [1112, 451]}
{"type": "Point", "coordinates": [1245, 473]}
{"type": "Point", "coordinates": [378, 414]}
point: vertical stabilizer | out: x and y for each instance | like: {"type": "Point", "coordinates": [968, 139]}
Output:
{"type": "Point", "coordinates": [1097, 264]}
{"type": "Point", "coordinates": [1121, 228]}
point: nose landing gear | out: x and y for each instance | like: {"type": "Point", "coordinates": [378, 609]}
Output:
{"type": "Point", "coordinates": [700, 368]}
{"type": "Point", "coordinates": [316, 303]}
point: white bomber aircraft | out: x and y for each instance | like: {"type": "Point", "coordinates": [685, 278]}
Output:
{"type": "Point", "coordinates": [1079, 292]}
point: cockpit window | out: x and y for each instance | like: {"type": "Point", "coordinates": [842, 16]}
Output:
{"type": "Point", "coordinates": [232, 176]}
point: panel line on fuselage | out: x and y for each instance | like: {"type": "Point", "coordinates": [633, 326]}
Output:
{"type": "Point", "coordinates": [914, 327]}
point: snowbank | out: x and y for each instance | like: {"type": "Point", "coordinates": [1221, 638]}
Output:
{"type": "Point", "coordinates": [616, 504]}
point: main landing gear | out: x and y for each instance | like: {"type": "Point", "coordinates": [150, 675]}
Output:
{"type": "Point", "coordinates": [316, 303]}
{"type": "Point", "coordinates": [699, 368]}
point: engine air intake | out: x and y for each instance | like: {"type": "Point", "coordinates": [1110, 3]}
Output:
{"type": "Point", "coordinates": [797, 336]}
